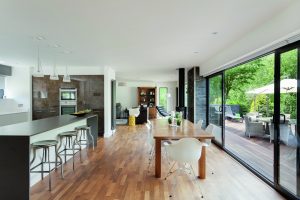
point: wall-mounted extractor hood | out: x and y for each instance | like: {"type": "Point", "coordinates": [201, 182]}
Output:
{"type": "Point", "coordinates": [5, 70]}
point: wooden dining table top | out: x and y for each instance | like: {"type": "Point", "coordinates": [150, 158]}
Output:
{"type": "Point", "coordinates": [162, 130]}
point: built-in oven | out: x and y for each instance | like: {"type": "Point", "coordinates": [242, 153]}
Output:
{"type": "Point", "coordinates": [68, 94]}
{"type": "Point", "coordinates": [68, 109]}
{"type": "Point", "coordinates": [67, 101]}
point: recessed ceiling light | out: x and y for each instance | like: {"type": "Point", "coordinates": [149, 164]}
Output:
{"type": "Point", "coordinates": [195, 52]}
{"type": "Point", "coordinates": [40, 37]}
{"type": "Point", "coordinates": [54, 45]}
{"type": "Point", "coordinates": [214, 33]}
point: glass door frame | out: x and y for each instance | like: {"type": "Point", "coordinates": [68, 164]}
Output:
{"type": "Point", "coordinates": [278, 53]}
{"type": "Point", "coordinates": [275, 184]}
{"type": "Point", "coordinates": [222, 105]}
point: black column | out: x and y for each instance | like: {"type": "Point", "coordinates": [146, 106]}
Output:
{"type": "Point", "coordinates": [181, 84]}
{"type": "Point", "coordinates": [181, 89]}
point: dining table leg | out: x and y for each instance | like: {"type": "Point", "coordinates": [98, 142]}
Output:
{"type": "Point", "coordinates": [157, 158]}
{"type": "Point", "coordinates": [202, 164]}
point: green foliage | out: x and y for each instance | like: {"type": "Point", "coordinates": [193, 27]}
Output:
{"type": "Point", "coordinates": [163, 91]}
{"type": "Point", "coordinates": [215, 90]}
{"type": "Point", "coordinates": [170, 120]}
{"type": "Point", "coordinates": [255, 74]}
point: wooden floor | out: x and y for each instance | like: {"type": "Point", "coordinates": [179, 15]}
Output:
{"type": "Point", "coordinates": [259, 153]}
{"type": "Point", "coordinates": [117, 169]}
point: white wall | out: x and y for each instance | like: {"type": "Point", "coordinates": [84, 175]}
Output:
{"type": "Point", "coordinates": [127, 95]}
{"type": "Point", "coordinates": [109, 75]}
{"type": "Point", "coordinates": [18, 87]}
{"type": "Point", "coordinates": [276, 28]}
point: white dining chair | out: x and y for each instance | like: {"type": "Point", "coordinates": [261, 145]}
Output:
{"type": "Point", "coordinates": [215, 131]}
{"type": "Point", "coordinates": [199, 123]}
{"type": "Point", "coordinates": [185, 152]}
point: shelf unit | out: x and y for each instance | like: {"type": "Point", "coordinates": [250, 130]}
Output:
{"type": "Point", "coordinates": [147, 97]}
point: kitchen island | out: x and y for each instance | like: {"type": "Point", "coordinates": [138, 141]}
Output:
{"type": "Point", "coordinates": [15, 140]}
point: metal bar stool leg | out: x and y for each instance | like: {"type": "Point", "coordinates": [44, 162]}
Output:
{"type": "Point", "coordinates": [34, 156]}
{"type": "Point", "coordinates": [89, 130]}
{"type": "Point", "coordinates": [73, 149]}
{"type": "Point", "coordinates": [42, 166]}
{"type": "Point", "coordinates": [49, 166]}
{"type": "Point", "coordinates": [61, 162]}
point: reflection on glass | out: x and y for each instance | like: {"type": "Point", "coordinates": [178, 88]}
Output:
{"type": "Point", "coordinates": [288, 110]}
{"type": "Point", "coordinates": [249, 106]}
{"type": "Point", "coordinates": [215, 105]}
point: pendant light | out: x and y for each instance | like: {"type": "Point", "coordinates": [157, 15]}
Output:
{"type": "Point", "coordinates": [54, 76]}
{"type": "Point", "coordinates": [67, 78]}
{"type": "Point", "coordinates": [39, 72]}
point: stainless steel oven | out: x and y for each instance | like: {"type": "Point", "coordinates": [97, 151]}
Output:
{"type": "Point", "coordinates": [69, 94]}
{"type": "Point", "coordinates": [67, 101]}
{"type": "Point", "coordinates": [67, 109]}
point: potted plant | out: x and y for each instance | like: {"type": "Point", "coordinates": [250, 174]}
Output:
{"type": "Point", "coordinates": [178, 121]}
{"type": "Point", "coordinates": [170, 120]}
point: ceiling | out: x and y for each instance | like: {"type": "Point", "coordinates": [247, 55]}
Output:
{"type": "Point", "coordinates": [141, 40]}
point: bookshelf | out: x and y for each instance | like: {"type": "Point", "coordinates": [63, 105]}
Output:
{"type": "Point", "coordinates": [147, 97]}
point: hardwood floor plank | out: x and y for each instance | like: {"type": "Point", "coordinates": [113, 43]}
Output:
{"type": "Point", "coordinates": [118, 169]}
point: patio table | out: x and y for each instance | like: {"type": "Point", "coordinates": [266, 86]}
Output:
{"type": "Point", "coordinates": [265, 120]}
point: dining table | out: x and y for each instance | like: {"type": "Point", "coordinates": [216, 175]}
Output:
{"type": "Point", "coordinates": [162, 130]}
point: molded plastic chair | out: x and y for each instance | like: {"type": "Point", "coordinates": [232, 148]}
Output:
{"type": "Point", "coordinates": [185, 151]}
{"type": "Point", "coordinates": [199, 123]}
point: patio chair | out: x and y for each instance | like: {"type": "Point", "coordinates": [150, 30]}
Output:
{"type": "Point", "coordinates": [254, 128]}
{"type": "Point", "coordinates": [285, 132]}
{"type": "Point", "coordinates": [253, 115]}
{"type": "Point", "coordinates": [231, 115]}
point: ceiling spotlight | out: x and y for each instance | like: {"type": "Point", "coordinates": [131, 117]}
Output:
{"type": "Point", "coordinates": [195, 52]}
{"type": "Point", "coordinates": [40, 37]}
{"type": "Point", "coordinates": [214, 33]}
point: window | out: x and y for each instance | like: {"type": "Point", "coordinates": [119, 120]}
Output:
{"type": "Point", "coordinates": [163, 97]}
{"type": "Point", "coordinates": [2, 86]}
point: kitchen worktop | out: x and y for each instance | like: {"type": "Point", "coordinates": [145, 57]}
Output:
{"type": "Point", "coordinates": [39, 126]}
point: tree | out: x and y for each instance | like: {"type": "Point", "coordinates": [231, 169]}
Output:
{"type": "Point", "coordinates": [242, 75]}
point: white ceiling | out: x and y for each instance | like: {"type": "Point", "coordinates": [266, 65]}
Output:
{"type": "Point", "coordinates": [141, 40]}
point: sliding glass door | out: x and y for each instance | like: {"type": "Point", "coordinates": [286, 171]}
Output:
{"type": "Point", "coordinates": [249, 108]}
{"type": "Point", "coordinates": [255, 105]}
{"type": "Point", "coordinates": [289, 116]}
{"type": "Point", "coordinates": [215, 109]}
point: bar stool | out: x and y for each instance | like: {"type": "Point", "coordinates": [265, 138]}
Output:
{"type": "Point", "coordinates": [45, 146]}
{"type": "Point", "coordinates": [85, 131]}
{"type": "Point", "coordinates": [71, 139]}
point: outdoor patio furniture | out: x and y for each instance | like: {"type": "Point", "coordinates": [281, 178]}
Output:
{"type": "Point", "coordinates": [285, 132]}
{"type": "Point", "coordinates": [231, 115]}
{"type": "Point", "coordinates": [254, 115]}
{"type": "Point", "coordinates": [254, 128]}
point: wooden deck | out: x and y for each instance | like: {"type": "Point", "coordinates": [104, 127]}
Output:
{"type": "Point", "coordinates": [258, 152]}
{"type": "Point", "coordinates": [117, 169]}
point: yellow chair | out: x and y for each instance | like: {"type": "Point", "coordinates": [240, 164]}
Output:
{"type": "Point", "coordinates": [131, 120]}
